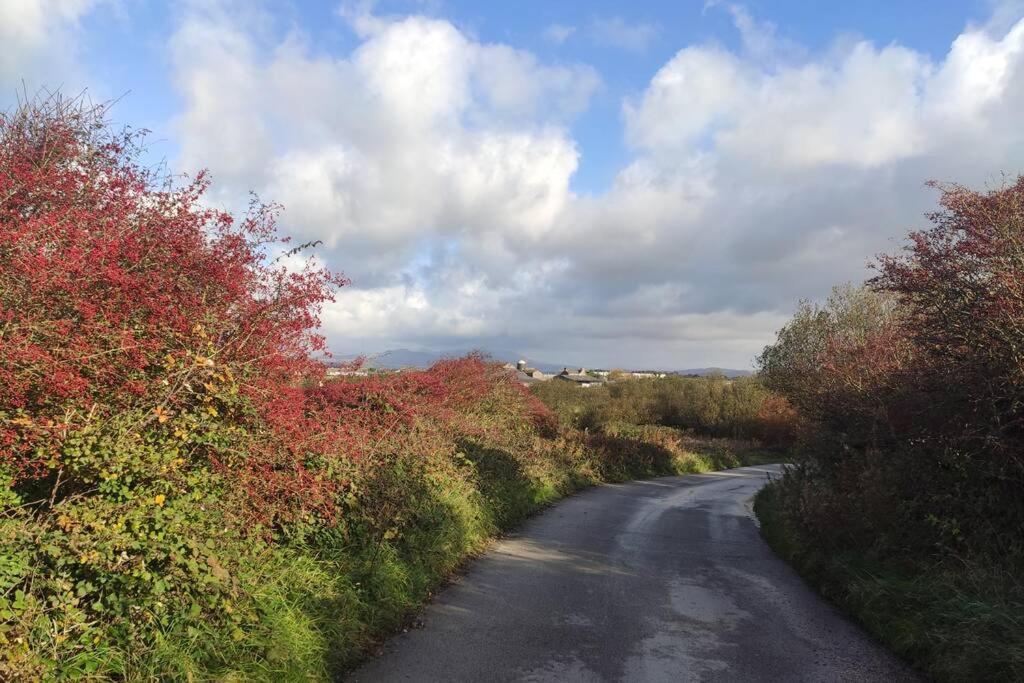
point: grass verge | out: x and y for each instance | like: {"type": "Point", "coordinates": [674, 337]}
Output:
{"type": "Point", "coordinates": [404, 575]}
{"type": "Point", "coordinates": [955, 622]}
{"type": "Point", "coordinates": [310, 602]}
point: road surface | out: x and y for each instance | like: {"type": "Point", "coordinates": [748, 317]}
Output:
{"type": "Point", "coordinates": [659, 580]}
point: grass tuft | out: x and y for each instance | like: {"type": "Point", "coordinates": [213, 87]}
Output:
{"type": "Point", "coordinates": [955, 622]}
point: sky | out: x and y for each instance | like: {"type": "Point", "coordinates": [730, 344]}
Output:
{"type": "Point", "coordinates": [642, 184]}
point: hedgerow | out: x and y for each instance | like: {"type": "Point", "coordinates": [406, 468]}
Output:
{"type": "Point", "coordinates": [184, 494]}
{"type": "Point", "coordinates": [911, 468]}
{"type": "Point", "coordinates": [144, 339]}
{"type": "Point", "coordinates": [711, 406]}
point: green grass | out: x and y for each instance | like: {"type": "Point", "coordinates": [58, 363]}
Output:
{"type": "Point", "coordinates": [329, 603]}
{"type": "Point", "coordinates": [955, 622]}
{"type": "Point", "coordinates": [311, 605]}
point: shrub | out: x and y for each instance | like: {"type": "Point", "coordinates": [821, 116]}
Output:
{"type": "Point", "coordinates": [183, 493]}
{"type": "Point", "coordinates": [143, 338]}
{"type": "Point", "coordinates": [909, 392]}
{"type": "Point", "coordinates": [711, 406]}
{"type": "Point", "coordinates": [913, 383]}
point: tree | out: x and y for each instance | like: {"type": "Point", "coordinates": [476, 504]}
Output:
{"type": "Point", "coordinates": [121, 291]}
{"type": "Point", "coordinates": [914, 386]}
{"type": "Point", "coordinates": [962, 284]}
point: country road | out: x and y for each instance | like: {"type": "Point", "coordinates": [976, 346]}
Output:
{"type": "Point", "coordinates": [659, 580]}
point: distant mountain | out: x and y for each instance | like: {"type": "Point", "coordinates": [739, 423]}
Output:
{"type": "Point", "coordinates": [402, 358]}
{"type": "Point", "coordinates": [704, 372]}
{"type": "Point", "coordinates": [395, 359]}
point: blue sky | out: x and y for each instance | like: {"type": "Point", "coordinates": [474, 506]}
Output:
{"type": "Point", "coordinates": [615, 184]}
{"type": "Point", "coordinates": [124, 47]}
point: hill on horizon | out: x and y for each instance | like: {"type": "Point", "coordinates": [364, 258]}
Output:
{"type": "Point", "coordinates": [395, 359]}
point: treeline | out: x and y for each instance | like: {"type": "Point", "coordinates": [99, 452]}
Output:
{"type": "Point", "coordinates": [707, 406]}
{"type": "Point", "coordinates": [907, 501]}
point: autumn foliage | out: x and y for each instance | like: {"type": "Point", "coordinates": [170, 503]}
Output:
{"type": "Point", "coordinates": [165, 434]}
{"type": "Point", "coordinates": [906, 504]}
{"type": "Point", "coordinates": [184, 493]}
{"type": "Point", "coordinates": [914, 384]}
{"type": "Point", "coordinates": [120, 290]}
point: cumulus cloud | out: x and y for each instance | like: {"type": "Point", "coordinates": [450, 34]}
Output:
{"type": "Point", "coordinates": [810, 167]}
{"type": "Point", "coordinates": [437, 168]}
{"type": "Point", "coordinates": [38, 39]}
{"type": "Point", "coordinates": [858, 106]}
{"type": "Point", "coordinates": [865, 107]}
{"type": "Point", "coordinates": [421, 133]}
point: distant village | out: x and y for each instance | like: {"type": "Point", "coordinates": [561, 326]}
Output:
{"type": "Point", "coordinates": [580, 377]}
{"type": "Point", "coordinates": [526, 375]}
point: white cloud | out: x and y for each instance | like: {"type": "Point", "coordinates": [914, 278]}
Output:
{"type": "Point", "coordinates": [864, 107]}
{"type": "Point", "coordinates": [436, 168]}
{"type": "Point", "coordinates": [619, 33]}
{"type": "Point", "coordinates": [558, 33]}
{"type": "Point", "coordinates": [420, 133]}
{"type": "Point", "coordinates": [811, 167]}
{"type": "Point", "coordinates": [398, 312]}
{"type": "Point", "coordinates": [698, 90]}
{"type": "Point", "coordinates": [861, 106]}
{"type": "Point", "coordinates": [760, 39]}
{"type": "Point", "coordinates": [38, 40]}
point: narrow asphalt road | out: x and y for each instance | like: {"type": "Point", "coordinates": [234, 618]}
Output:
{"type": "Point", "coordinates": [659, 580]}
